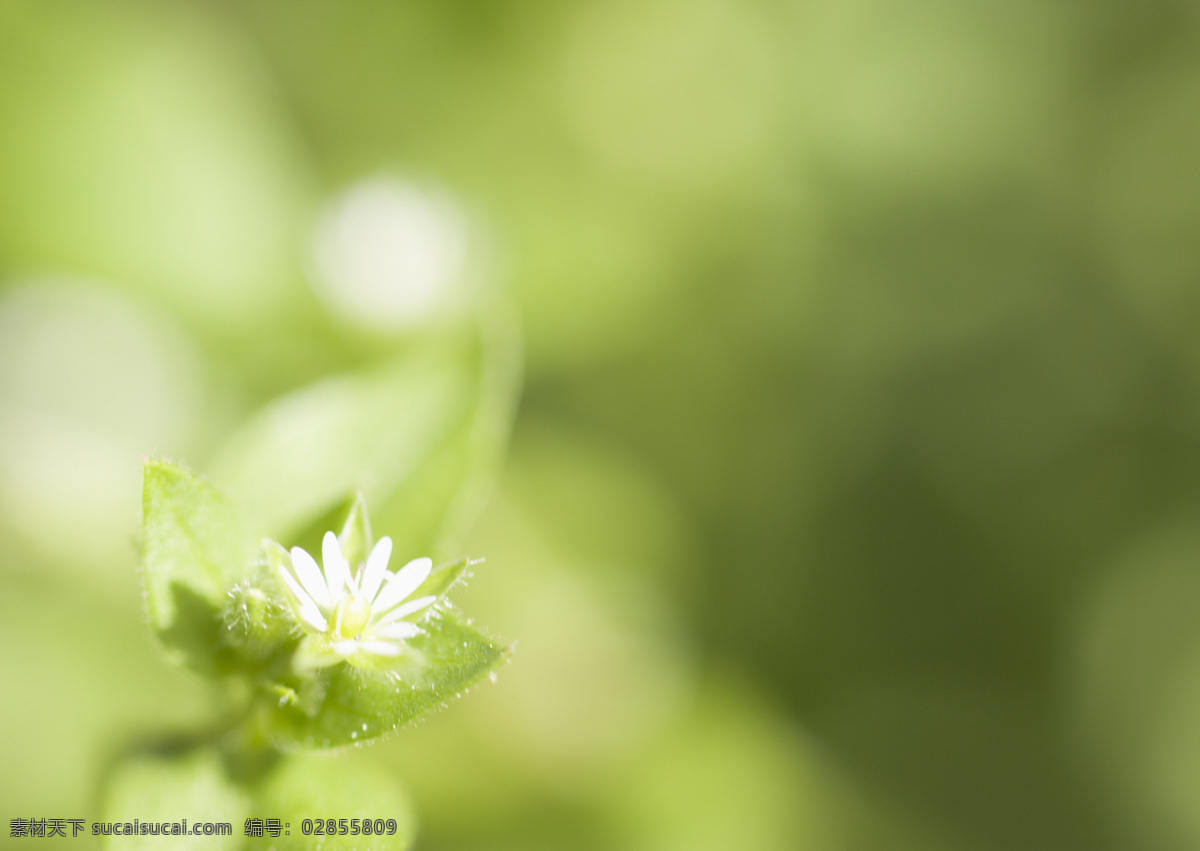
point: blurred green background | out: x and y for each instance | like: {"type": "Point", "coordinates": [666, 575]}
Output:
{"type": "Point", "coordinates": [853, 499]}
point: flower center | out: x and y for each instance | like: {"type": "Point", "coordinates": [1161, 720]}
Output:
{"type": "Point", "coordinates": [355, 615]}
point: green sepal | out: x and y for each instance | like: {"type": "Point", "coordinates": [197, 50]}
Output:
{"type": "Point", "coordinates": [357, 542]}
{"type": "Point", "coordinates": [355, 539]}
{"type": "Point", "coordinates": [314, 653]}
{"type": "Point", "coordinates": [443, 578]}
{"type": "Point", "coordinates": [279, 561]}
{"type": "Point", "coordinates": [257, 620]}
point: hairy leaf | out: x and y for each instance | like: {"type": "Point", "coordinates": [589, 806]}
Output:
{"type": "Point", "coordinates": [194, 547]}
{"type": "Point", "coordinates": [346, 704]}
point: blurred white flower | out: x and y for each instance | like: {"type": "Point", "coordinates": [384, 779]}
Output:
{"type": "Point", "coordinates": [392, 254]}
{"type": "Point", "coordinates": [89, 380]}
{"type": "Point", "coordinates": [353, 616]}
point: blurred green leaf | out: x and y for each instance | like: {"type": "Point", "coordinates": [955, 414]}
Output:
{"type": "Point", "coordinates": [419, 437]}
{"type": "Point", "coordinates": [345, 704]}
{"type": "Point", "coordinates": [441, 501]}
{"type": "Point", "coordinates": [89, 681]}
{"type": "Point", "coordinates": [169, 789]}
{"type": "Point", "coordinates": [199, 215]}
{"type": "Point", "coordinates": [312, 787]}
{"type": "Point", "coordinates": [194, 549]}
{"type": "Point", "coordinates": [723, 774]}
{"type": "Point", "coordinates": [299, 456]}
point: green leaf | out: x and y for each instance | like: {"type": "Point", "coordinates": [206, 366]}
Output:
{"type": "Point", "coordinates": [194, 547]}
{"type": "Point", "coordinates": [170, 788]}
{"type": "Point", "coordinates": [347, 704]}
{"type": "Point", "coordinates": [316, 787]}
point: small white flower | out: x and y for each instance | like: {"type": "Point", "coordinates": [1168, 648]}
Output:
{"type": "Point", "coordinates": [355, 616]}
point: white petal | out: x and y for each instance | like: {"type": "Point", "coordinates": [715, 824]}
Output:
{"type": "Point", "coordinates": [402, 584]}
{"type": "Point", "coordinates": [376, 567]}
{"type": "Point", "coordinates": [406, 609]}
{"type": "Point", "coordinates": [400, 630]}
{"type": "Point", "coordinates": [336, 569]}
{"type": "Point", "coordinates": [302, 598]}
{"type": "Point", "coordinates": [345, 648]}
{"type": "Point", "coordinates": [381, 648]}
{"type": "Point", "coordinates": [313, 617]}
{"type": "Point", "coordinates": [310, 576]}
